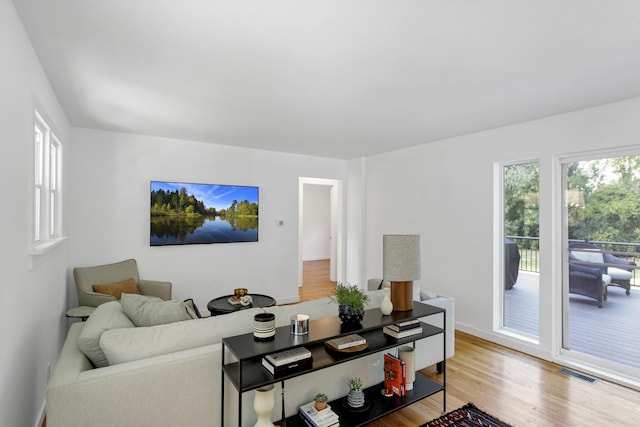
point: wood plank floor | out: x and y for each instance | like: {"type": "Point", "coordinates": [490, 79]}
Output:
{"type": "Point", "coordinates": [520, 390]}
{"type": "Point", "coordinates": [517, 388]}
{"type": "Point", "coordinates": [315, 280]}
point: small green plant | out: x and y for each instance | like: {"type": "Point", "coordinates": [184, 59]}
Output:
{"type": "Point", "coordinates": [351, 296]}
{"type": "Point", "coordinates": [355, 383]}
{"type": "Point", "coordinates": [320, 398]}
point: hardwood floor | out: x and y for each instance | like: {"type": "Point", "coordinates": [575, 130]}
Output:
{"type": "Point", "coordinates": [315, 280]}
{"type": "Point", "coordinates": [517, 388]}
{"type": "Point", "coordinates": [520, 390]}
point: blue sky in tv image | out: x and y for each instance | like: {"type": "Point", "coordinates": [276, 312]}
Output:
{"type": "Point", "coordinates": [186, 213]}
{"type": "Point", "coordinates": [213, 195]}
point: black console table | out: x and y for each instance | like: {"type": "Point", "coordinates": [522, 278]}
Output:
{"type": "Point", "coordinates": [247, 373]}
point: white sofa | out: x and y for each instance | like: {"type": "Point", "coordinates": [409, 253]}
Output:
{"type": "Point", "coordinates": [169, 375]}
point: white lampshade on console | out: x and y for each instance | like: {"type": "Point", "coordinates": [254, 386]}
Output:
{"type": "Point", "coordinates": [401, 266]}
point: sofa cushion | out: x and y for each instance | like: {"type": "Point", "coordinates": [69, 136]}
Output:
{"type": "Point", "coordinates": [150, 311]}
{"type": "Point", "coordinates": [128, 344]}
{"type": "Point", "coordinates": [106, 316]}
{"type": "Point", "coordinates": [116, 289]}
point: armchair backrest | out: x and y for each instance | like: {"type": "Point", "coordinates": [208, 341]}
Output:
{"type": "Point", "coordinates": [86, 277]}
{"type": "Point", "coordinates": [587, 253]}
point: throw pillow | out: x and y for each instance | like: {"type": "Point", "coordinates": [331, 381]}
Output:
{"type": "Point", "coordinates": [151, 311]}
{"type": "Point", "coordinates": [192, 305]}
{"type": "Point", "coordinates": [105, 317]}
{"type": "Point", "coordinates": [117, 289]}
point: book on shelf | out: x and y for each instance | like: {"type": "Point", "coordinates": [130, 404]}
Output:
{"type": "Point", "coordinates": [347, 341]}
{"type": "Point", "coordinates": [395, 375]}
{"type": "Point", "coordinates": [402, 334]}
{"type": "Point", "coordinates": [289, 367]}
{"type": "Point", "coordinates": [288, 356]}
{"type": "Point", "coordinates": [315, 418]}
{"type": "Point", "coordinates": [310, 424]}
{"type": "Point", "coordinates": [404, 325]}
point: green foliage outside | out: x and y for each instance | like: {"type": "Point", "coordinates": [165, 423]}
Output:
{"type": "Point", "coordinates": [521, 189]}
{"type": "Point", "coordinates": [611, 207]}
{"type": "Point", "coordinates": [603, 200]}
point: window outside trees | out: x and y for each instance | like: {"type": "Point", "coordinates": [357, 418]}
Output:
{"type": "Point", "coordinates": [520, 183]}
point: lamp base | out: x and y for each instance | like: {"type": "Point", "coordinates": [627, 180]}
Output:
{"type": "Point", "coordinates": [402, 296]}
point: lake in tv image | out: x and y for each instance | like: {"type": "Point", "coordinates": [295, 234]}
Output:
{"type": "Point", "coordinates": [186, 213]}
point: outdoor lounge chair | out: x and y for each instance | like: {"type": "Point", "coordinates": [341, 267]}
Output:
{"type": "Point", "coordinates": [594, 257]}
{"type": "Point", "coordinates": [588, 280]}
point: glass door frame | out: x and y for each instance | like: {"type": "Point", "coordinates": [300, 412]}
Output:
{"type": "Point", "coordinates": [562, 354]}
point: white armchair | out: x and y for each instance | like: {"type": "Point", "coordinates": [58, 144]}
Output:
{"type": "Point", "coordinates": [86, 277]}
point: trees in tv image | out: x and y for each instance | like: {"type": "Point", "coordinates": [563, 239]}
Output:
{"type": "Point", "coordinates": [185, 213]}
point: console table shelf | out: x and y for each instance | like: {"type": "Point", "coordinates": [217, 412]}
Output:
{"type": "Point", "coordinates": [247, 373]}
{"type": "Point", "coordinates": [380, 406]}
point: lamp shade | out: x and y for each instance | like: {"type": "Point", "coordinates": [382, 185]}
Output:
{"type": "Point", "coordinates": [401, 257]}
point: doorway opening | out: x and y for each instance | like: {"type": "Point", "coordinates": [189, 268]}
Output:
{"type": "Point", "coordinates": [320, 234]}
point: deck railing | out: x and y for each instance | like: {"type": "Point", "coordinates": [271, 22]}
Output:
{"type": "Point", "coordinates": [529, 249]}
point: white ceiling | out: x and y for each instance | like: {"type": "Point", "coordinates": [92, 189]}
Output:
{"type": "Point", "coordinates": [333, 78]}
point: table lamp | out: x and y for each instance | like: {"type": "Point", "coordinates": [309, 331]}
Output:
{"type": "Point", "coordinates": [401, 266]}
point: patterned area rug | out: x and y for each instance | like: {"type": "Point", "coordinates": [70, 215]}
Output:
{"type": "Point", "coordinates": [467, 416]}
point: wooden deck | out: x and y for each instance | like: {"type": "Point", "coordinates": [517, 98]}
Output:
{"type": "Point", "coordinates": [611, 332]}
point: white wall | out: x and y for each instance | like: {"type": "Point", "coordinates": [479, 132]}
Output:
{"type": "Point", "coordinates": [32, 303]}
{"type": "Point", "coordinates": [444, 191]}
{"type": "Point", "coordinates": [110, 174]}
{"type": "Point", "coordinates": [316, 224]}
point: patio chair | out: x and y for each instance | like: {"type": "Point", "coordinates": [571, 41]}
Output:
{"type": "Point", "coordinates": [620, 276]}
{"type": "Point", "coordinates": [589, 281]}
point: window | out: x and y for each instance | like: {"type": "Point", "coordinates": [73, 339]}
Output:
{"type": "Point", "coordinates": [520, 271]}
{"type": "Point", "coordinates": [47, 187]}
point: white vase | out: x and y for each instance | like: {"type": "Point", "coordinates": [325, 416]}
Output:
{"type": "Point", "coordinates": [263, 404]}
{"type": "Point", "coordinates": [386, 306]}
{"type": "Point", "coordinates": [407, 354]}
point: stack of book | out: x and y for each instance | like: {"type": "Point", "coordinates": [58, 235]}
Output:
{"type": "Point", "coordinates": [314, 418]}
{"type": "Point", "coordinates": [403, 329]}
{"type": "Point", "coordinates": [287, 361]}
{"type": "Point", "coordinates": [346, 342]}
{"type": "Point", "coordinates": [395, 376]}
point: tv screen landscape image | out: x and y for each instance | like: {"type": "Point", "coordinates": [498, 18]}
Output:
{"type": "Point", "coordinates": [185, 213]}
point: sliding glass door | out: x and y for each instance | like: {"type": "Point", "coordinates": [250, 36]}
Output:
{"type": "Point", "coordinates": [601, 296]}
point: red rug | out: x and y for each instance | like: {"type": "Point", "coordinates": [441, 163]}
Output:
{"type": "Point", "coordinates": [467, 416]}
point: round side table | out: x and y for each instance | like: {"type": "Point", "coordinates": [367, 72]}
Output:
{"type": "Point", "coordinates": [82, 312]}
{"type": "Point", "coordinates": [221, 305]}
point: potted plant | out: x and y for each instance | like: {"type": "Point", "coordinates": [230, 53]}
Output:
{"type": "Point", "coordinates": [351, 300]}
{"type": "Point", "coordinates": [355, 398]}
{"type": "Point", "coordinates": [320, 400]}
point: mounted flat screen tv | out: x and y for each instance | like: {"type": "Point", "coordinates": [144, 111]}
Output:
{"type": "Point", "coordinates": [185, 214]}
